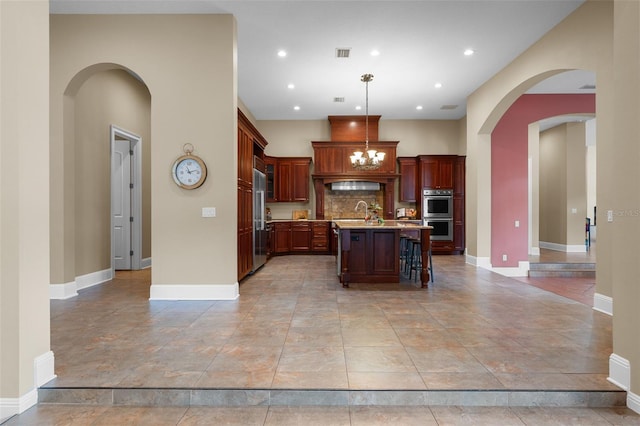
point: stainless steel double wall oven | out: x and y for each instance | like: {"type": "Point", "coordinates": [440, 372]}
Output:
{"type": "Point", "coordinates": [437, 211]}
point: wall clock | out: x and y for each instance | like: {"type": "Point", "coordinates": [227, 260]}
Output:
{"type": "Point", "coordinates": [189, 171]}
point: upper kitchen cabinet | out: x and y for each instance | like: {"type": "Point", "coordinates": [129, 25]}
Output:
{"type": "Point", "coordinates": [287, 179]}
{"type": "Point", "coordinates": [271, 167]}
{"type": "Point", "coordinates": [408, 170]}
{"type": "Point", "coordinates": [436, 171]}
{"type": "Point", "coordinates": [332, 158]}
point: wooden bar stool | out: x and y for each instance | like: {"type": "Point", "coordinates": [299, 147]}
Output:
{"type": "Point", "coordinates": [415, 259]}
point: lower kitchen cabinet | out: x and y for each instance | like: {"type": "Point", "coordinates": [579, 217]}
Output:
{"type": "Point", "coordinates": [300, 237]}
{"type": "Point", "coordinates": [281, 237]}
{"type": "Point", "coordinates": [320, 237]}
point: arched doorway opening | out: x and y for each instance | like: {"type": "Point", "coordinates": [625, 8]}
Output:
{"type": "Point", "coordinates": [97, 99]}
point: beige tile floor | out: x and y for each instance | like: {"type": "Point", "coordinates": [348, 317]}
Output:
{"type": "Point", "coordinates": [295, 327]}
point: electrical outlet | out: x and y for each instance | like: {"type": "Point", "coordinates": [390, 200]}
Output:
{"type": "Point", "coordinates": [504, 257]}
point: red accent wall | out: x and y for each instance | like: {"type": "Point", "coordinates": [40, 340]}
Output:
{"type": "Point", "coordinates": [509, 174]}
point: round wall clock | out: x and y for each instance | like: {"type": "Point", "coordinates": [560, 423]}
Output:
{"type": "Point", "coordinates": [189, 171]}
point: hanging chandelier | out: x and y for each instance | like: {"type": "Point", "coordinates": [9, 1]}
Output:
{"type": "Point", "coordinates": [373, 159]}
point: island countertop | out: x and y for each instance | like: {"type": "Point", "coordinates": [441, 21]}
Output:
{"type": "Point", "coordinates": [387, 224]}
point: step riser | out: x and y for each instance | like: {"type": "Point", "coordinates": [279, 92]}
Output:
{"type": "Point", "coordinates": [560, 266]}
{"type": "Point", "coordinates": [248, 397]}
{"type": "Point", "coordinates": [561, 274]}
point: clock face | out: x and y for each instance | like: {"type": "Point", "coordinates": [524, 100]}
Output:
{"type": "Point", "coordinates": [189, 172]}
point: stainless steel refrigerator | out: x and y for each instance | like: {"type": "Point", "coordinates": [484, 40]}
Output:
{"type": "Point", "coordinates": [259, 223]}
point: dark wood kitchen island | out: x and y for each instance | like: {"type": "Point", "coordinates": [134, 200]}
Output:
{"type": "Point", "coordinates": [370, 252]}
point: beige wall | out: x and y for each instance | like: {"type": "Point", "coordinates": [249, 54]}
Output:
{"type": "Point", "coordinates": [193, 99]}
{"type": "Point", "coordinates": [106, 98]}
{"type": "Point", "coordinates": [576, 172]}
{"type": "Point", "coordinates": [624, 198]}
{"type": "Point", "coordinates": [24, 205]}
{"type": "Point", "coordinates": [553, 185]}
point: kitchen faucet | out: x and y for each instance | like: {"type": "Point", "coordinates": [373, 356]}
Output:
{"type": "Point", "coordinates": [366, 208]}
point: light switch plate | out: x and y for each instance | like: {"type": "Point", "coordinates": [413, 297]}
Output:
{"type": "Point", "coordinates": [208, 212]}
{"type": "Point", "coordinates": [609, 215]}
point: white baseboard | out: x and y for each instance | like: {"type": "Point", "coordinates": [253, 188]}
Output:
{"type": "Point", "coordinates": [44, 370]}
{"type": "Point", "coordinates": [12, 406]}
{"type": "Point", "coordinates": [481, 262]}
{"type": "Point", "coordinates": [145, 263]}
{"type": "Point", "coordinates": [619, 371]}
{"type": "Point", "coordinates": [194, 292]}
{"type": "Point", "coordinates": [633, 401]}
{"type": "Point", "coordinates": [534, 251]}
{"type": "Point", "coordinates": [575, 248]}
{"type": "Point", "coordinates": [602, 303]}
{"type": "Point", "coordinates": [522, 270]}
{"type": "Point", "coordinates": [94, 278]}
{"type": "Point", "coordinates": [63, 291]}
{"type": "Point", "coordinates": [68, 290]}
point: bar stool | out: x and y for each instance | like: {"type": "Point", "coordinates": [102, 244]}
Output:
{"type": "Point", "coordinates": [404, 251]}
{"type": "Point", "coordinates": [415, 258]}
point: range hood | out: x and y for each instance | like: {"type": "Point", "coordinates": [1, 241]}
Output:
{"type": "Point", "coordinates": [355, 185]}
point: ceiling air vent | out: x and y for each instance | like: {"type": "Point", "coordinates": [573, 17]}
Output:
{"type": "Point", "coordinates": [343, 52]}
{"type": "Point", "coordinates": [338, 99]}
{"type": "Point", "coordinates": [449, 107]}
{"type": "Point", "coordinates": [588, 87]}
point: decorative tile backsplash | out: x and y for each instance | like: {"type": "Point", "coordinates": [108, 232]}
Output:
{"type": "Point", "coordinates": [342, 204]}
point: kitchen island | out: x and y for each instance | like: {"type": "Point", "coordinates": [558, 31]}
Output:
{"type": "Point", "coordinates": [370, 252]}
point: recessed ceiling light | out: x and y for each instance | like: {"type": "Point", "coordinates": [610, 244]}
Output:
{"type": "Point", "coordinates": [419, 107]}
{"type": "Point", "coordinates": [296, 108]}
{"type": "Point", "coordinates": [291, 86]}
{"type": "Point", "coordinates": [358, 107]}
{"type": "Point", "coordinates": [468, 52]}
{"type": "Point", "coordinates": [282, 53]}
{"type": "Point", "coordinates": [437, 85]}
{"type": "Point", "coordinates": [375, 53]}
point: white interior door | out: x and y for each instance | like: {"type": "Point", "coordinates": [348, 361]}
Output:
{"type": "Point", "coordinates": [121, 204]}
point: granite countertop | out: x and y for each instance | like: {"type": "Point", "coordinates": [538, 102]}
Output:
{"type": "Point", "coordinates": [387, 224]}
{"type": "Point", "coordinates": [297, 220]}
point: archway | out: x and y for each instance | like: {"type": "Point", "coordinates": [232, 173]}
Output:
{"type": "Point", "coordinates": [96, 98]}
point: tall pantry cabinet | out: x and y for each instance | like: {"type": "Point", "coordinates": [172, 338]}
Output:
{"type": "Point", "coordinates": [250, 144]}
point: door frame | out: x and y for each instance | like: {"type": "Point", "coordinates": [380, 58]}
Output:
{"type": "Point", "coordinates": [136, 198]}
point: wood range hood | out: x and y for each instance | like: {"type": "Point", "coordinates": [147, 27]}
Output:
{"type": "Point", "coordinates": [332, 163]}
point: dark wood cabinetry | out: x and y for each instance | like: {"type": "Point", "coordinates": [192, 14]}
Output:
{"type": "Point", "coordinates": [287, 179]}
{"type": "Point", "coordinates": [408, 169]}
{"type": "Point", "coordinates": [271, 166]}
{"type": "Point", "coordinates": [372, 255]}
{"type": "Point", "coordinates": [320, 237]}
{"type": "Point", "coordinates": [300, 237]}
{"type": "Point", "coordinates": [250, 144]}
{"type": "Point", "coordinates": [332, 164]}
{"type": "Point", "coordinates": [436, 172]}
{"type": "Point", "coordinates": [458, 204]}
{"type": "Point", "coordinates": [281, 237]}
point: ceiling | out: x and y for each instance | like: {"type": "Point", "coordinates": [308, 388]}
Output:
{"type": "Point", "coordinates": [420, 43]}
